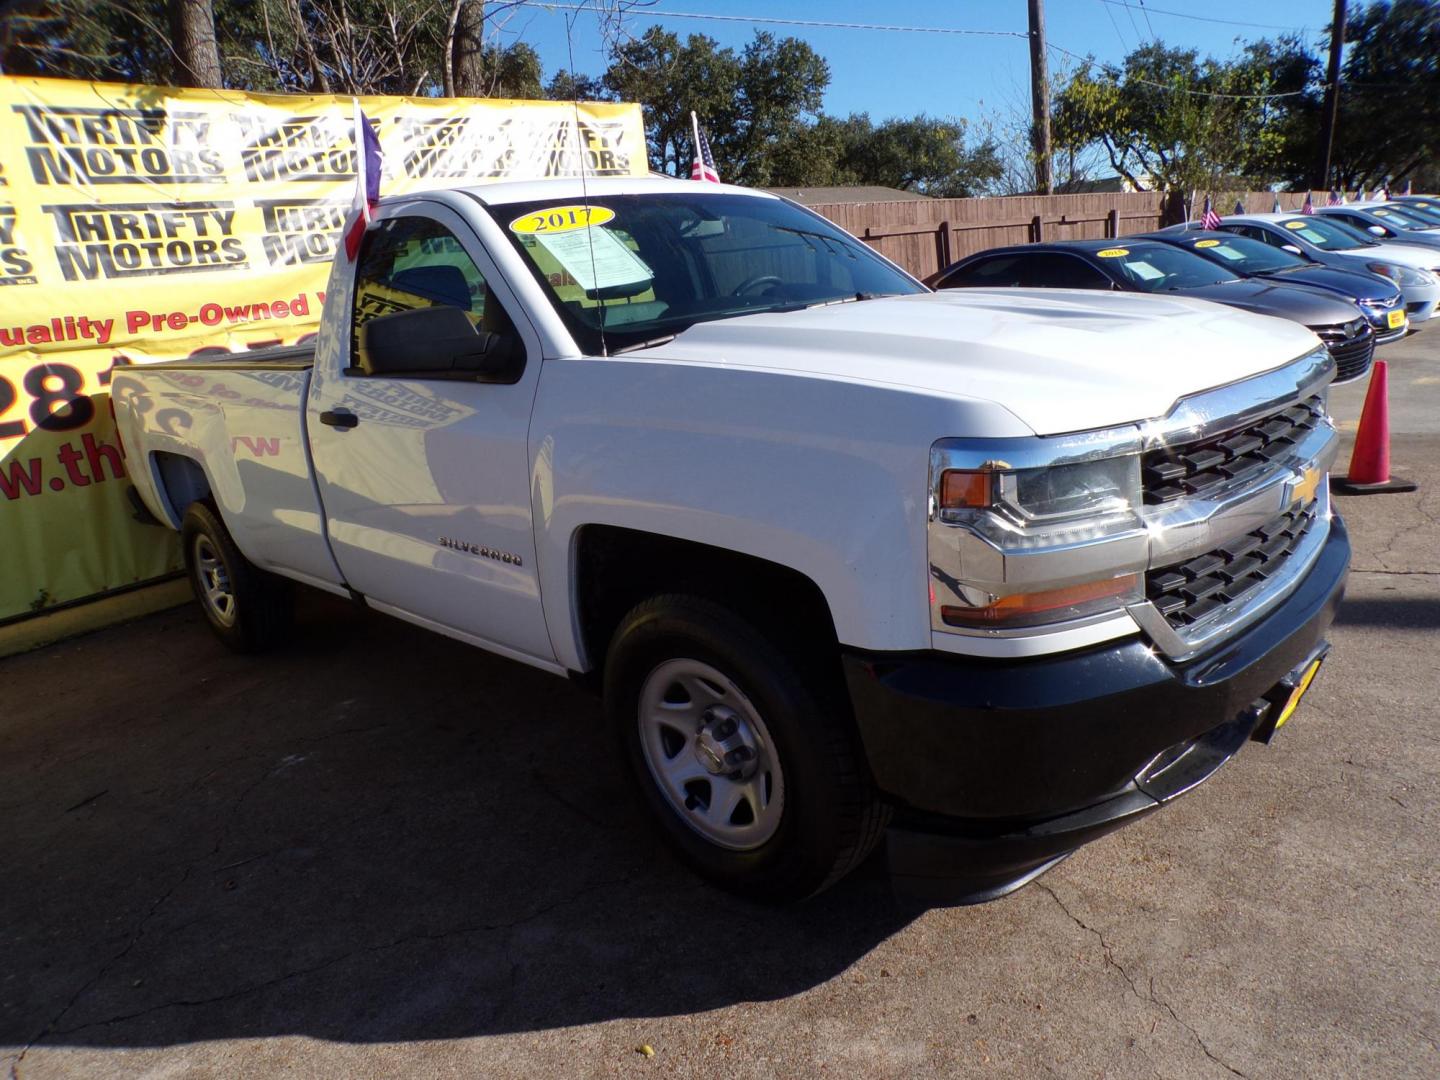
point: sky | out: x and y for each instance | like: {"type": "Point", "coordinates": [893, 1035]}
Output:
{"type": "Point", "coordinates": [897, 73]}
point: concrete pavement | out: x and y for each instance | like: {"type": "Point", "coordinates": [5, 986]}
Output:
{"type": "Point", "coordinates": [384, 853]}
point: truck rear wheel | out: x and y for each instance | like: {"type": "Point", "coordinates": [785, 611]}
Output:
{"type": "Point", "coordinates": [248, 609]}
{"type": "Point", "coordinates": [743, 754]}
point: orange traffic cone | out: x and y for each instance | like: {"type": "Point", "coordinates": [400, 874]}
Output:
{"type": "Point", "coordinates": [1370, 461]}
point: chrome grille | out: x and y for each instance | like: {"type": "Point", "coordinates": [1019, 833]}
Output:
{"type": "Point", "coordinates": [1195, 590]}
{"type": "Point", "coordinates": [1353, 352]}
{"type": "Point", "coordinates": [1206, 465]}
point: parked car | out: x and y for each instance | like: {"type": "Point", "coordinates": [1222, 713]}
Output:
{"type": "Point", "coordinates": [1413, 268]}
{"type": "Point", "coordinates": [1385, 221]}
{"type": "Point", "coordinates": [1002, 571]}
{"type": "Point", "coordinates": [1133, 264]}
{"type": "Point", "coordinates": [1428, 205]}
{"type": "Point", "coordinates": [1379, 298]}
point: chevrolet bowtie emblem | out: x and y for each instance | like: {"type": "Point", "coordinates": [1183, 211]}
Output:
{"type": "Point", "coordinates": [1305, 487]}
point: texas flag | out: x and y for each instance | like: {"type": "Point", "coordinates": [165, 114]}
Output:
{"type": "Point", "coordinates": [367, 181]}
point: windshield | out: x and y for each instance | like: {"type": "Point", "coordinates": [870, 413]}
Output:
{"type": "Point", "coordinates": [1244, 255]}
{"type": "Point", "coordinates": [635, 268]}
{"type": "Point", "coordinates": [1325, 233]}
{"type": "Point", "coordinates": [1424, 208]}
{"type": "Point", "coordinates": [1162, 268]}
{"type": "Point", "coordinates": [1406, 219]}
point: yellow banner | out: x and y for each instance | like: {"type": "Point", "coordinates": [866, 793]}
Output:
{"type": "Point", "coordinates": [139, 223]}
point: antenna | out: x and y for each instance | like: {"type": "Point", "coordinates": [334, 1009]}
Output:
{"type": "Point", "coordinates": [584, 168]}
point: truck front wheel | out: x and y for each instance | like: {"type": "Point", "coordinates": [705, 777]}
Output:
{"type": "Point", "coordinates": [248, 609]}
{"type": "Point", "coordinates": [743, 754]}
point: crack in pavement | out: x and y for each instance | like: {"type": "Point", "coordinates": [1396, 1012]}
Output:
{"type": "Point", "coordinates": [1396, 573]}
{"type": "Point", "coordinates": [407, 939]}
{"type": "Point", "coordinates": [1151, 997]}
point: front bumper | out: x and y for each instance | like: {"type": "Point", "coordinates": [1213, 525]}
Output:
{"type": "Point", "coordinates": [999, 768]}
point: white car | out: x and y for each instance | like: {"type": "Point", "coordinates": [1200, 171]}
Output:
{"type": "Point", "coordinates": [1414, 268]}
{"type": "Point", "coordinates": [1385, 221]}
{"type": "Point", "coordinates": [1002, 570]}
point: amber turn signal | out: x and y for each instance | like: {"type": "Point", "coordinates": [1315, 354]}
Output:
{"type": "Point", "coordinates": [962, 489]}
{"type": "Point", "coordinates": [1021, 607]}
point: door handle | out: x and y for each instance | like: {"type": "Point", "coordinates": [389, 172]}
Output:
{"type": "Point", "coordinates": [332, 418]}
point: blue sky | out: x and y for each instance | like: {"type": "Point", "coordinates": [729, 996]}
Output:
{"type": "Point", "coordinates": [900, 74]}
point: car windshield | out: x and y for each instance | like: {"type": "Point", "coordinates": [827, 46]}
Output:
{"type": "Point", "coordinates": [1427, 212]}
{"type": "Point", "coordinates": [1244, 255]}
{"type": "Point", "coordinates": [627, 270]}
{"type": "Point", "coordinates": [1393, 215]}
{"type": "Point", "coordinates": [1162, 268]}
{"type": "Point", "coordinates": [1326, 234]}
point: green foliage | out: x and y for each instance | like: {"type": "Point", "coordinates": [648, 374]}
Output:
{"type": "Point", "coordinates": [1389, 124]}
{"type": "Point", "coordinates": [1167, 119]}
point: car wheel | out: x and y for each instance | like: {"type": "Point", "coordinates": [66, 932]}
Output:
{"type": "Point", "coordinates": [249, 609]}
{"type": "Point", "coordinates": [745, 756]}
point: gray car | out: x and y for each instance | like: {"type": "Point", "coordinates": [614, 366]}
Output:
{"type": "Point", "coordinates": [1385, 221]}
{"type": "Point", "coordinates": [1333, 243]}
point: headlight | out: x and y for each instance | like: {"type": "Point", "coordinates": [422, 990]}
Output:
{"type": "Point", "coordinates": [1015, 546]}
{"type": "Point", "coordinates": [1401, 275]}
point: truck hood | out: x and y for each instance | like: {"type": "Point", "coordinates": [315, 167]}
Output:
{"type": "Point", "coordinates": [1059, 360]}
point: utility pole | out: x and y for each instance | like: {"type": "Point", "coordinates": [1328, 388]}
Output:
{"type": "Point", "coordinates": [1332, 98]}
{"type": "Point", "coordinates": [1040, 98]}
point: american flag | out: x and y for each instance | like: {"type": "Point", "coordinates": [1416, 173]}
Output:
{"type": "Point", "coordinates": [1334, 198]}
{"type": "Point", "coordinates": [1239, 207]}
{"type": "Point", "coordinates": [1209, 219]}
{"type": "Point", "coordinates": [1384, 193]}
{"type": "Point", "coordinates": [1309, 207]}
{"type": "Point", "coordinates": [703, 167]}
{"type": "Point", "coordinates": [367, 181]}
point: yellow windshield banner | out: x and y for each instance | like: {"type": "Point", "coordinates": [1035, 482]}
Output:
{"type": "Point", "coordinates": [142, 223]}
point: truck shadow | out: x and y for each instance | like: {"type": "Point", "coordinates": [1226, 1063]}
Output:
{"type": "Point", "coordinates": [376, 835]}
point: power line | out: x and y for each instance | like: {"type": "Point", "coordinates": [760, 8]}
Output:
{"type": "Point", "coordinates": [1197, 18]}
{"type": "Point", "coordinates": [821, 24]}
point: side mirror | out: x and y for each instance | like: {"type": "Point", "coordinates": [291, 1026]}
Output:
{"type": "Point", "coordinates": [438, 343]}
{"type": "Point", "coordinates": [1377, 230]}
{"type": "Point", "coordinates": [1292, 249]}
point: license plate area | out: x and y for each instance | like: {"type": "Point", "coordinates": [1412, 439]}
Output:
{"type": "Point", "coordinates": [1279, 704]}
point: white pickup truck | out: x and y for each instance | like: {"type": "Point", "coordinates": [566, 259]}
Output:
{"type": "Point", "coordinates": [983, 574]}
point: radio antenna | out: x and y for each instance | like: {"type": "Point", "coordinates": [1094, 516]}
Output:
{"type": "Point", "coordinates": [584, 168]}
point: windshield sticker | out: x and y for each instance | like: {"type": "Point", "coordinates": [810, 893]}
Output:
{"type": "Point", "coordinates": [558, 219]}
{"type": "Point", "coordinates": [1295, 224]}
{"type": "Point", "coordinates": [1207, 243]}
{"type": "Point", "coordinates": [1113, 253]}
{"type": "Point", "coordinates": [1144, 271]}
{"type": "Point", "coordinates": [595, 258]}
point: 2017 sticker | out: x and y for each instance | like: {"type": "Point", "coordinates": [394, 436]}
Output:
{"type": "Point", "coordinates": [1207, 243]}
{"type": "Point", "coordinates": [558, 219]}
{"type": "Point", "coordinates": [1113, 253]}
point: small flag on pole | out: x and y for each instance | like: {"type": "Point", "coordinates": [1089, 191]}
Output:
{"type": "Point", "coordinates": [703, 167]}
{"type": "Point", "coordinates": [1364, 193]}
{"type": "Point", "coordinates": [1409, 187]}
{"type": "Point", "coordinates": [1384, 193]}
{"type": "Point", "coordinates": [1334, 198]}
{"type": "Point", "coordinates": [367, 180]}
{"type": "Point", "coordinates": [1276, 208]}
{"type": "Point", "coordinates": [1210, 219]}
{"type": "Point", "coordinates": [1239, 207]}
{"type": "Point", "coordinates": [1309, 207]}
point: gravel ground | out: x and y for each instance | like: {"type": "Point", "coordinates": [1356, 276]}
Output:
{"type": "Point", "coordinates": [384, 853]}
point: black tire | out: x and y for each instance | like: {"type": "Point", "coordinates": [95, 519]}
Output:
{"type": "Point", "coordinates": [830, 818]}
{"type": "Point", "coordinates": [261, 608]}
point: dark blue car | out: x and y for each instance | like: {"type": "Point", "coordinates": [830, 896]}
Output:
{"type": "Point", "coordinates": [1377, 297]}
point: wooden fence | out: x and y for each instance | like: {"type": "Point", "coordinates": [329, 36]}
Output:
{"type": "Point", "coordinates": [925, 235]}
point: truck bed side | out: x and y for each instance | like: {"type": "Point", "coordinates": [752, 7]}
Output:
{"type": "Point", "coordinates": [231, 427]}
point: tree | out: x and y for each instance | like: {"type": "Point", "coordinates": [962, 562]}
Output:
{"type": "Point", "coordinates": [1389, 125]}
{"type": "Point", "coordinates": [197, 58]}
{"type": "Point", "coordinates": [1167, 119]}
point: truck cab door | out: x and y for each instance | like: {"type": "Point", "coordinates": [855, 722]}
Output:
{"type": "Point", "coordinates": [421, 449]}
